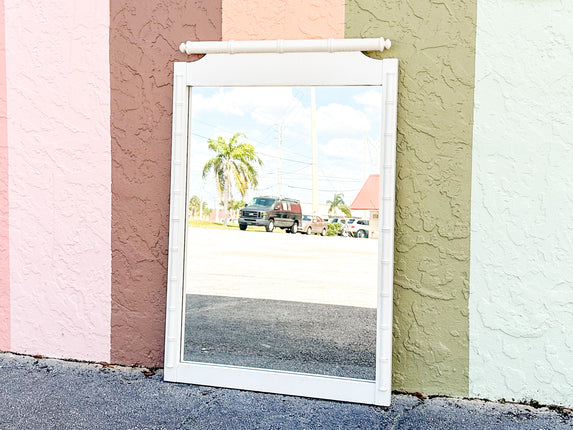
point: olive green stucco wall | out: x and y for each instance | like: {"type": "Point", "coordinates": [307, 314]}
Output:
{"type": "Point", "coordinates": [435, 44]}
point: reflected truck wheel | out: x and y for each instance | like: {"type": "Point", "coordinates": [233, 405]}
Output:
{"type": "Point", "coordinates": [323, 232]}
{"type": "Point", "coordinates": [309, 231]}
{"type": "Point", "coordinates": [243, 226]}
{"type": "Point", "coordinates": [270, 226]}
{"type": "Point", "coordinates": [294, 228]}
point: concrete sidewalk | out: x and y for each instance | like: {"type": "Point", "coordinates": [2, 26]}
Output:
{"type": "Point", "coordinates": [48, 393]}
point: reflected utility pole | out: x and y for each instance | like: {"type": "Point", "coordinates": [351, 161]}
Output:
{"type": "Point", "coordinates": [314, 151]}
{"type": "Point", "coordinates": [280, 158]}
{"type": "Point", "coordinates": [364, 143]}
{"type": "Point", "coordinates": [201, 200]}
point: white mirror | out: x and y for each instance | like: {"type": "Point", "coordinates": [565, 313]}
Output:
{"type": "Point", "coordinates": [280, 275]}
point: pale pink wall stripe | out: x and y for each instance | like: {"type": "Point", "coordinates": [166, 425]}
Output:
{"type": "Point", "coordinates": [4, 236]}
{"type": "Point", "coordinates": [279, 19]}
{"type": "Point", "coordinates": [57, 68]}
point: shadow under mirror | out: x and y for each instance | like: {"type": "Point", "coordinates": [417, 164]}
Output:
{"type": "Point", "coordinates": [281, 245]}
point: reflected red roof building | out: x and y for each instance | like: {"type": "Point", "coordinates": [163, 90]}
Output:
{"type": "Point", "coordinates": [367, 197]}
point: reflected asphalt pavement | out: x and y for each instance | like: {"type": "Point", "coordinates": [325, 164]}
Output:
{"type": "Point", "coordinates": [54, 394]}
{"type": "Point", "coordinates": [282, 335]}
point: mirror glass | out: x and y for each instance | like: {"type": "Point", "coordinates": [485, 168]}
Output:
{"type": "Point", "coordinates": [286, 277]}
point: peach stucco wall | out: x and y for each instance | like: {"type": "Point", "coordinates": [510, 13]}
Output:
{"type": "Point", "coordinates": [4, 237]}
{"type": "Point", "coordinates": [57, 68]}
{"type": "Point", "coordinates": [279, 19]}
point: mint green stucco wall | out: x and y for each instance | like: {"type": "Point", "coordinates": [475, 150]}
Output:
{"type": "Point", "coordinates": [521, 302]}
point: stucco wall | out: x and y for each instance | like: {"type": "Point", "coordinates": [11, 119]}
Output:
{"type": "Point", "coordinates": [59, 148]}
{"type": "Point", "coordinates": [144, 40]}
{"type": "Point", "coordinates": [435, 44]}
{"type": "Point", "coordinates": [61, 289]}
{"type": "Point", "coordinates": [4, 210]}
{"type": "Point", "coordinates": [279, 19]}
{"type": "Point", "coordinates": [521, 303]}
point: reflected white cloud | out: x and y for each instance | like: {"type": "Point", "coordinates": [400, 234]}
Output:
{"type": "Point", "coordinates": [341, 120]}
{"type": "Point", "coordinates": [369, 98]}
{"type": "Point", "coordinates": [343, 148]}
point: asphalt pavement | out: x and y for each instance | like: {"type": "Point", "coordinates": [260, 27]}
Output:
{"type": "Point", "coordinates": [41, 393]}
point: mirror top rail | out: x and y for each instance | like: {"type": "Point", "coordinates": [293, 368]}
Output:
{"type": "Point", "coordinates": [284, 46]}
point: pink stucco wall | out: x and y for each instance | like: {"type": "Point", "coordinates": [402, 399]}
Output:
{"type": "Point", "coordinates": [57, 67]}
{"type": "Point", "coordinates": [4, 237]}
{"type": "Point", "coordinates": [279, 19]}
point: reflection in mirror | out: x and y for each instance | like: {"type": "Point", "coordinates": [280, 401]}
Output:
{"type": "Point", "coordinates": [281, 248]}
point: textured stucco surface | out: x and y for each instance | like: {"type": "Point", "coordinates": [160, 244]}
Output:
{"type": "Point", "coordinates": [279, 19]}
{"type": "Point", "coordinates": [4, 209]}
{"type": "Point", "coordinates": [435, 44]}
{"type": "Point", "coordinates": [59, 177]}
{"type": "Point", "coordinates": [144, 40]}
{"type": "Point", "coordinates": [521, 302]}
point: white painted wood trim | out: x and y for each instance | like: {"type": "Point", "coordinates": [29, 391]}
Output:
{"type": "Point", "coordinates": [177, 221]}
{"type": "Point", "coordinates": [312, 69]}
{"type": "Point", "coordinates": [387, 196]}
{"type": "Point", "coordinates": [276, 381]}
{"type": "Point", "coordinates": [283, 46]}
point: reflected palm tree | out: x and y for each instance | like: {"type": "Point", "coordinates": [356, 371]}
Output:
{"type": "Point", "coordinates": [233, 164]}
{"type": "Point", "coordinates": [194, 206]}
{"type": "Point", "coordinates": [337, 204]}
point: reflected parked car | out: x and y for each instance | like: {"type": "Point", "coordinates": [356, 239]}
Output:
{"type": "Point", "coordinates": [345, 226]}
{"type": "Point", "coordinates": [359, 228]}
{"type": "Point", "coordinates": [313, 224]}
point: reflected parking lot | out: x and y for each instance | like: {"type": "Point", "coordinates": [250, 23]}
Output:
{"type": "Point", "coordinates": [288, 302]}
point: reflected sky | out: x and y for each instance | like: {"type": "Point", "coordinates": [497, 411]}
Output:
{"type": "Point", "coordinates": [348, 136]}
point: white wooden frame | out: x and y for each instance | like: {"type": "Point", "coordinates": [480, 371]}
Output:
{"type": "Point", "coordinates": [282, 69]}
